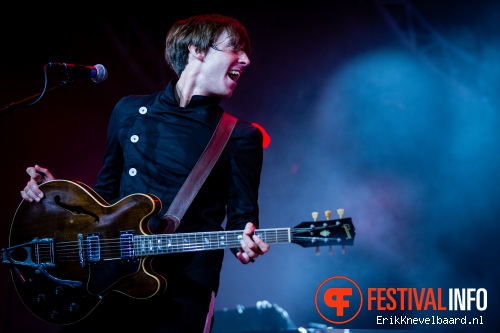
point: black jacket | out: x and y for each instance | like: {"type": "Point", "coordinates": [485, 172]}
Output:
{"type": "Point", "coordinates": [152, 145]}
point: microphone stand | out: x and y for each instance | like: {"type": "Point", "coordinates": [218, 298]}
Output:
{"type": "Point", "coordinates": [24, 102]}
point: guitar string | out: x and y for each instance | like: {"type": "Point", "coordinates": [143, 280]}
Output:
{"type": "Point", "coordinates": [113, 247]}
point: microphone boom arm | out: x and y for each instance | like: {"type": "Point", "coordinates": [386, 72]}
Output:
{"type": "Point", "coordinates": [35, 98]}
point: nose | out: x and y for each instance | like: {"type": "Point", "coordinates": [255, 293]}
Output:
{"type": "Point", "coordinates": [243, 58]}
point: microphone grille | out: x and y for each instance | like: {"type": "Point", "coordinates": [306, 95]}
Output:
{"type": "Point", "coordinates": [101, 74]}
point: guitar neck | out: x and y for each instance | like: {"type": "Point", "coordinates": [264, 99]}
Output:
{"type": "Point", "coordinates": [145, 245]}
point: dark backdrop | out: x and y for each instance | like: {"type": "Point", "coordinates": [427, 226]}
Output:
{"type": "Point", "coordinates": [397, 123]}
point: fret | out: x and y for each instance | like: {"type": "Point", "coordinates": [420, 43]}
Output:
{"type": "Point", "coordinates": [151, 245]}
{"type": "Point", "coordinates": [270, 236]}
{"type": "Point", "coordinates": [200, 244]}
{"type": "Point", "coordinates": [187, 242]}
{"type": "Point", "coordinates": [168, 244]}
{"type": "Point", "coordinates": [176, 240]}
{"type": "Point", "coordinates": [158, 240]}
{"type": "Point", "coordinates": [207, 240]}
{"type": "Point", "coordinates": [222, 240]}
{"type": "Point", "coordinates": [200, 241]}
{"type": "Point", "coordinates": [261, 234]}
{"type": "Point", "coordinates": [161, 242]}
{"type": "Point", "coordinates": [139, 245]}
{"type": "Point", "coordinates": [211, 240]}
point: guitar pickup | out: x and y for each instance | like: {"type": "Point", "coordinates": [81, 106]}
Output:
{"type": "Point", "coordinates": [127, 245]}
{"type": "Point", "coordinates": [93, 248]}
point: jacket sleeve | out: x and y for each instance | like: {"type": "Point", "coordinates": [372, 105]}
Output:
{"type": "Point", "coordinates": [246, 166]}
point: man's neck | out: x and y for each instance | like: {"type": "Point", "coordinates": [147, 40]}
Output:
{"type": "Point", "coordinates": [183, 92]}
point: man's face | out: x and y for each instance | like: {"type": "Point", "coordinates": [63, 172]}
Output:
{"type": "Point", "coordinates": [222, 66]}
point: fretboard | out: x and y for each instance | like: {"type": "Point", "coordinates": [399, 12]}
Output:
{"type": "Point", "coordinates": [145, 245]}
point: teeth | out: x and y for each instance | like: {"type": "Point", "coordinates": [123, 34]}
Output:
{"type": "Point", "coordinates": [233, 74]}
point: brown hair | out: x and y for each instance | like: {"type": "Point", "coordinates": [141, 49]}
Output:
{"type": "Point", "coordinates": [201, 31]}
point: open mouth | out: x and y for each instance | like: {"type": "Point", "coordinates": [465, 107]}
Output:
{"type": "Point", "coordinates": [234, 75]}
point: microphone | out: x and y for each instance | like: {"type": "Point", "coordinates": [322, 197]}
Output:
{"type": "Point", "coordinates": [97, 72]}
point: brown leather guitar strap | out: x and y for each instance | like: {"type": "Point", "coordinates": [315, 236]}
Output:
{"type": "Point", "coordinates": [171, 220]}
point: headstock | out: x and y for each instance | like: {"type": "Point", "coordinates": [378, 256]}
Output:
{"type": "Point", "coordinates": [328, 232]}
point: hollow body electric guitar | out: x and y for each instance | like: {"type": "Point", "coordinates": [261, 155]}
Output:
{"type": "Point", "coordinates": [72, 249]}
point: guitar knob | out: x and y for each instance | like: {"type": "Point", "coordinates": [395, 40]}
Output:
{"type": "Point", "coordinates": [317, 251]}
{"type": "Point", "coordinates": [59, 290]}
{"type": "Point", "coordinates": [54, 315]}
{"type": "Point", "coordinates": [73, 307]}
{"type": "Point", "coordinates": [41, 298]}
{"type": "Point", "coordinates": [330, 250]}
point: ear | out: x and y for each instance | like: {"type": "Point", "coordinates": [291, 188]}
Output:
{"type": "Point", "coordinates": [194, 52]}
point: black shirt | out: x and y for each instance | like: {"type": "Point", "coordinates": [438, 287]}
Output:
{"type": "Point", "coordinates": [152, 145]}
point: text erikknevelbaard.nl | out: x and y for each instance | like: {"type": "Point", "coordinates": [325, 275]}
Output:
{"type": "Point", "coordinates": [427, 299]}
{"type": "Point", "coordinates": [432, 320]}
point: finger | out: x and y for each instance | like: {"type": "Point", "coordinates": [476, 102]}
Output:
{"type": "Point", "coordinates": [26, 197]}
{"type": "Point", "coordinates": [247, 250]}
{"type": "Point", "coordinates": [28, 194]}
{"type": "Point", "coordinates": [254, 246]}
{"type": "Point", "coordinates": [249, 229]}
{"type": "Point", "coordinates": [248, 232]}
{"type": "Point", "coordinates": [244, 257]}
{"type": "Point", "coordinates": [31, 171]}
{"type": "Point", "coordinates": [249, 254]}
{"type": "Point", "coordinates": [33, 191]}
{"type": "Point", "coordinates": [44, 172]}
{"type": "Point", "coordinates": [263, 246]}
{"type": "Point", "coordinates": [35, 175]}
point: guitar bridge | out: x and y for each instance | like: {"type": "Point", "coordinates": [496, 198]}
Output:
{"type": "Point", "coordinates": [37, 254]}
{"type": "Point", "coordinates": [32, 254]}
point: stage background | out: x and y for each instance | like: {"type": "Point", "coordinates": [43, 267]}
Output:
{"type": "Point", "coordinates": [394, 120]}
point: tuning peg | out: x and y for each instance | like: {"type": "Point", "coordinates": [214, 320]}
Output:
{"type": "Point", "coordinates": [317, 251]}
{"type": "Point", "coordinates": [340, 211]}
{"type": "Point", "coordinates": [315, 216]}
{"type": "Point", "coordinates": [328, 214]}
